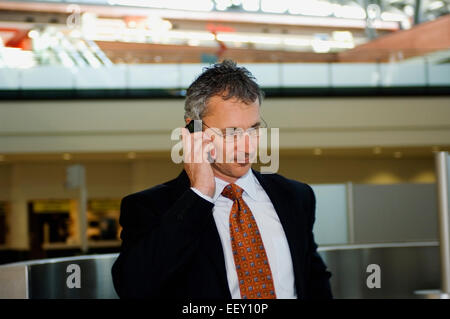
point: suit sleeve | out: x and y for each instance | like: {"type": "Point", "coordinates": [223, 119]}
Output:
{"type": "Point", "coordinates": [318, 283]}
{"type": "Point", "coordinates": [155, 246]}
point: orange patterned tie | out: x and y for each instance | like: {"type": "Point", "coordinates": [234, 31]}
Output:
{"type": "Point", "coordinates": [252, 266]}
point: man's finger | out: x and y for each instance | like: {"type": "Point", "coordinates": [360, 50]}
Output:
{"type": "Point", "coordinates": [187, 145]}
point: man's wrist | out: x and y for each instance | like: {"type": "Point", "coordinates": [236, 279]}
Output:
{"type": "Point", "coordinates": [205, 190]}
{"type": "Point", "coordinates": [202, 195]}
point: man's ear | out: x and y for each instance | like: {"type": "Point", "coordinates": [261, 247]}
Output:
{"type": "Point", "coordinates": [187, 120]}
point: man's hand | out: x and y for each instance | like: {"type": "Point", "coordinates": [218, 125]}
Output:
{"type": "Point", "coordinates": [195, 153]}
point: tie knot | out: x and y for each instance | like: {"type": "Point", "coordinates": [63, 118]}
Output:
{"type": "Point", "coordinates": [232, 191]}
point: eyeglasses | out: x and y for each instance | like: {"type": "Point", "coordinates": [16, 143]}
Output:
{"type": "Point", "coordinates": [231, 134]}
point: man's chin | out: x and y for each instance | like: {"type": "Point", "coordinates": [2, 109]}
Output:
{"type": "Point", "coordinates": [235, 169]}
{"type": "Point", "coordinates": [240, 169]}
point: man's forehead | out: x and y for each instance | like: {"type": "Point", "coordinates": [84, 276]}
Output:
{"type": "Point", "coordinates": [233, 101]}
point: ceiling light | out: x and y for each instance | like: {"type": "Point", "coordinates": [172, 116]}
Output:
{"type": "Point", "coordinates": [351, 11]}
{"type": "Point", "coordinates": [409, 10]}
{"type": "Point", "coordinates": [342, 36]}
{"type": "Point", "coordinates": [320, 46]}
{"type": "Point", "coordinates": [33, 34]}
{"type": "Point", "coordinates": [66, 156]}
{"type": "Point", "coordinates": [265, 40]}
{"type": "Point", "coordinates": [435, 5]}
{"type": "Point", "coordinates": [223, 5]}
{"type": "Point", "coordinates": [312, 8]}
{"type": "Point", "coordinates": [193, 43]}
{"type": "Point", "coordinates": [393, 15]}
{"type": "Point", "coordinates": [296, 42]}
{"type": "Point", "coordinates": [201, 36]}
{"type": "Point", "coordinates": [230, 37]}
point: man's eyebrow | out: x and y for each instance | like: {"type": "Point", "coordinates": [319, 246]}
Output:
{"type": "Point", "coordinates": [254, 125]}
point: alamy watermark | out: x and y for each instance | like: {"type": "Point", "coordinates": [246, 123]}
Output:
{"type": "Point", "coordinates": [374, 279]}
{"type": "Point", "coordinates": [74, 279]}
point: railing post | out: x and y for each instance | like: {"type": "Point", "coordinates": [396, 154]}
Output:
{"type": "Point", "coordinates": [442, 176]}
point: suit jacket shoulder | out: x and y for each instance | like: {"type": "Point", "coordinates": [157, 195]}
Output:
{"type": "Point", "coordinates": [290, 189]}
{"type": "Point", "coordinates": [151, 192]}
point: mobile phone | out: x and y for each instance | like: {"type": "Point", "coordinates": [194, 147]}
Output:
{"type": "Point", "coordinates": [191, 127]}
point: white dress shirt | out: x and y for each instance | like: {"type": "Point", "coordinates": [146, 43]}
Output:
{"type": "Point", "coordinates": [272, 234]}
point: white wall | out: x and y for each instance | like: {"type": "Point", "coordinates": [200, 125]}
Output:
{"type": "Point", "coordinates": [145, 125]}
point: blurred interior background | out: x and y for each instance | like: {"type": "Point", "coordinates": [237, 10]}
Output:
{"type": "Point", "coordinates": [90, 91]}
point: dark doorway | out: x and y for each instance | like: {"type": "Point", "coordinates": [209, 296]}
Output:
{"type": "Point", "coordinates": [52, 227]}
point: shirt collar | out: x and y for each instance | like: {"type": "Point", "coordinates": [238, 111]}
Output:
{"type": "Point", "coordinates": [246, 182]}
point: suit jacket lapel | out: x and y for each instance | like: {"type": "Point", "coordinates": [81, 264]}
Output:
{"type": "Point", "coordinates": [285, 213]}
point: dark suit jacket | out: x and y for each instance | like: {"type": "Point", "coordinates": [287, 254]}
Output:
{"type": "Point", "coordinates": [171, 247]}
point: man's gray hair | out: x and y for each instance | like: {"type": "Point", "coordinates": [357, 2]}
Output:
{"type": "Point", "coordinates": [225, 79]}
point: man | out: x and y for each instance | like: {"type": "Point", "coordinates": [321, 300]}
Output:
{"type": "Point", "coordinates": [220, 229]}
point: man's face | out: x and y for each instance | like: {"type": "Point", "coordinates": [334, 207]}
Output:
{"type": "Point", "coordinates": [233, 155]}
